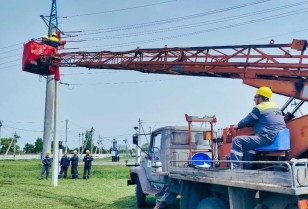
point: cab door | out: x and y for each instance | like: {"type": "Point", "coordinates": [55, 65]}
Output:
{"type": "Point", "coordinates": [154, 158]}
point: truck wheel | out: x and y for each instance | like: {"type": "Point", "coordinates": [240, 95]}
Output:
{"type": "Point", "coordinates": [140, 195]}
{"type": "Point", "coordinates": [212, 203]}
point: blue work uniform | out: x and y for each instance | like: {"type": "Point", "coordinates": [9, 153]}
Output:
{"type": "Point", "coordinates": [64, 164]}
{"type": "Point", "coordinates": [74, 166]}
{"type": "Point", "coordinates": [53, 41]}
{"type": "Point", "coordinates": [267, 120]}
{"type": "Point", "coordinates": [87, 166]}
{"type": "Point", "coordinates": [46, 161]}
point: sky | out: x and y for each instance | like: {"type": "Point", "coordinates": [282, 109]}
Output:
{"type": "Point", "coordinates": [112, 102]}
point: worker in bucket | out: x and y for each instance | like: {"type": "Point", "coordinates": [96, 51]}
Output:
{"type": "Point", "coordinates": [267, 120]}
{"type": "Point", "coordinates": [64, 164]}
{"type": "Point", "coordinates": [54, 40]}
{"type": "Point", "coordinates": [87, 165]}
{"type": "Point", "coordinates": [46, 161]}
{"type": "Point", "coordinates": [45, 39]}
{"type": "Point", "coordinates": [74, 165]}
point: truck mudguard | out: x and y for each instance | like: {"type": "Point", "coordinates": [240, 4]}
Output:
{"type": "Point", "coordinates": [140, 172]}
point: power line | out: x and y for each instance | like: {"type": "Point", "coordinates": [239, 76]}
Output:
{"type": "Point", "coordinates": [202, 31]}
{"type": "Point", "coordinates": [198, 24]}
{"type": "Point", "coordinates": [12, 50]}
{"type": "Point", "coordinates": [197, 32]}
{"type": "Point", "coordinates": [155, 22]}
{"type": "Point", "coordinates": [181, 18]}
{"type": "Point", "coordinates": [116, 10]}
{"type": "Point", "coordinates": [126, 82]}
{"type": "Point", "coordinates": [21, 129]}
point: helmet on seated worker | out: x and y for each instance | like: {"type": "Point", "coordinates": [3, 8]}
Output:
{"type": "Point", "coordinates": [265, 92]}
{"type": "Point", "coordinates": [54, 34]}
{"type": "Point", "coordinates": [44, 37]}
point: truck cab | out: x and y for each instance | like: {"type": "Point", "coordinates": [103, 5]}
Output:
{"type": "Point", "coordinates": [168, 147]}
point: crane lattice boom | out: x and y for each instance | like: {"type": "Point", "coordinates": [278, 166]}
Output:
{"type": "Point", "coordinates": [283, 67]}
{"type": "Point", "coordinates": [273, 61]}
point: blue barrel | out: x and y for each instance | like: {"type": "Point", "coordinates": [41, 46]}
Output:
{"type": "Point", "coordinates": [202, 160]}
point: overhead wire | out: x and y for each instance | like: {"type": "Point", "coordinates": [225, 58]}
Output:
{"type": "Point", "coordinates": [21, 129]}
{"type": "Point", "coordinates": [181, 18]}
{"type": "Point", "coordinates": [198, 24]}
{"type": "Point", "coordinates": [125, 82]}
{"type": "Point", "coordinates": [201, 31]}
{"type": "Point", "coordinates": [117, 10]}
{"type": "Point", "coordinates": [181, 27]}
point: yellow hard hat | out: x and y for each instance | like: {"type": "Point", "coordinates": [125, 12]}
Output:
{"type": "Point", "coordinates": [265, 91]}
{"type": "Point", "coordinates": [44, 36]}
{"type": "Point", "coordinates": [54, 34]}
{"type": "Point", "coordinates": [88, 151]}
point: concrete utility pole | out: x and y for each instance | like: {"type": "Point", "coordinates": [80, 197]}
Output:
{"type": "Point", "coordinates": [126, 147]}
{"type": "Point", "coordinates": [12, 141]}
{"type": "Point", "coordinates": [15, 140]}
{"type": "Point", "coordinates": [91, 135]}
{"type": "Point", "coordinates": [50, 84]}
{"type": "Point", "coordinates": [0, 128]}
{"type": "Point", "coordinates": [49, 100]}
{"type": "Point", "coordinates": [138, 151]}
{"type": "Point", "coordinates": [66, 135]}
{"type": "Point", "coordinates": [82, 146]}
{"type": "Point", "coordinates": [55, 141]}
{"type": "Point", "coordinates": [79, 143]}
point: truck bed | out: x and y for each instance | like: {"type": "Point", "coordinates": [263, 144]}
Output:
{"type": "Point", "coordinates": [272, 181]}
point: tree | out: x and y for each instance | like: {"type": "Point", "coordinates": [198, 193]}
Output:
{"type": "Point", "coordinates": [88, 142]}
{"type": "Point", "coordinates": [38, 145]}
{"type": "Point", "coordinates": [29, 148]}
{"type": "Point", "coordinates": [5, 143]}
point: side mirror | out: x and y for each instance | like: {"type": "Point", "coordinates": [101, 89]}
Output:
{"type": "Point", "coordinates": [135, 139]}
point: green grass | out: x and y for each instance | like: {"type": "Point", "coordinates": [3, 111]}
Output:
{"type": "Point", "coordinates": [20, 187]}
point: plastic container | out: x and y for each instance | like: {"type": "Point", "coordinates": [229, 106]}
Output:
{"type": "Point", "coordinates": [202, 160]}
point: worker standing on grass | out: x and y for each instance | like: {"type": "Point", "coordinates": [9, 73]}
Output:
{"type": "Point", "coordinates": [46, 161]}
{"type": "Point", "coordinates": [267, 120]}
{"type": "Point", "coordinates": [87, 165]}
{"type": "Point", "coordinates": [64, 164]}
{"type": "Point", "coordinates": [74, 165]}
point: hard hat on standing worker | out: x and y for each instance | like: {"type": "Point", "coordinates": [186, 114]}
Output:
{"type": "Point", "coordinates": [44, 37]}
{"type": "Point", "coordinates": [88, 152]}
{"type": "Point", "coordinates": [54, 34]}
{"type": "Point", "coordinates": [265, 91]}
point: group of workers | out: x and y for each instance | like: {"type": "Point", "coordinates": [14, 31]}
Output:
{"type": "Point", "coordinates": [65, 162]}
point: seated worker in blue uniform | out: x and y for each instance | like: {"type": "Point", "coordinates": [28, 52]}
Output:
{"type": "Point", "coordinates": [267, 120]}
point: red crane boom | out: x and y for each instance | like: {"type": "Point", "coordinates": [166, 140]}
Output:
{"type": "Point", "coordinates": [284, 67]}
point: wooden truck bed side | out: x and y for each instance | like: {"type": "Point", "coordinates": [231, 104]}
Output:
{"type": "Point", "coordinates": [272, 181]}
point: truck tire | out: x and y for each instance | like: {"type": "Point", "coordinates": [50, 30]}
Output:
{"type": "Point", "coordinates": [140, 196]}
{"type": "Point", "coordinates": [212, 203]}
